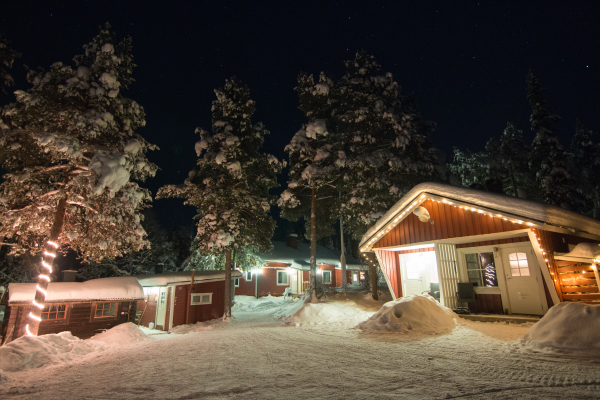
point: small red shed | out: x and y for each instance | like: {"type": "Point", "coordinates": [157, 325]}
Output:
{"type": "Point", "coordinates": [171, 299]}
{"type": "Point", "coordinates": [83, 308]}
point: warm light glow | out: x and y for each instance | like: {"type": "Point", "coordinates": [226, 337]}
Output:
{"type": "Point", "coordinates": [44, 277]}
{"type": "Point", "coordinates": [55, 245]}
{"type": "Point", "coordinates": [38, 305]}
{"type": "Point", "coordinates": [28, 331]}
{"type": "Point", "coordinates": [48, 266]}
{"type": "Point", "coordinates": [38, 319]}
{"type": "Point", "coordinates": [49, 254]}
{"type": "Point", "coordinates": [41, 290]}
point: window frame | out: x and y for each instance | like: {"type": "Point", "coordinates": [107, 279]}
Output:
{"type": "Point", "coordinates": [329, 282]}
{"type": "Point", "coordinates": [248, 274]}
{"type": "Point", "coordinates": [49, 305]}
{"type": "Point", "coordinates": [481, 268]}
{"type": "Point", "coordinates": [200, 303]}
{"type": "Point", "coordinates": [95, 309]}
{"type": "Point", "coordinates": [287, 278]}
{"type": "Point", "coordinates": [236, 282]}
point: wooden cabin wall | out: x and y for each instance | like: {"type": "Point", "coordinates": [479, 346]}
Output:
{"type": "Point", "coordinates": [166, 327]}
{"type": "Point", "coordinates": [185, 313]}
{"type": "Point", "coordinates": [80, 320]}
{"type": "Point", "coordinates": [449, 222]}
{"type": "Point", "coordinates": [246, 288]}
{"type": "Point", "coordinates": [148, 307]}
{"type": "Point", "coordinates": [338, 277]}
{"type": "Point", "coordinates": [267, 282]}
{"type": "Point", "coordinates": [493, 242]}
{"type": "Point", "coordinates": [327, 267]}
{"type": "Point", "coordinates": [390, 263]}
{"type": "Point", "coordinates": [574, 282]}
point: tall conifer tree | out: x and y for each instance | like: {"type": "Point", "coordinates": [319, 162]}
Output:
{"type": "Point", "coordinates": [230, 187]}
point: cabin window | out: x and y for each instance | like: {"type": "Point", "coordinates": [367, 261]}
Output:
{"type": "Point", "coordinates": [54, 312]}
{"type": "Point", "coordinates": [236, 282]}
{"type": "Point", "coordinates": [362, 276]}
{"type": "Point", "coordinates": [518, 264]}
{"type": "Point", "coordinates": [481, 269]}
{"type": "Point", "coordinates": [326, 277]}
{"type": "Point", "coordinates": [106, 309]}
{"type": "Point", "coordinates": [248, 275]}
{"type": "Point", "coordinates": [282, 278]}
{"type": "Point", "coordinates": [201, 299]}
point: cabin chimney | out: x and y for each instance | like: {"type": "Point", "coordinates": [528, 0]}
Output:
{"type": "Point", "coordinates": [69, 275]}
{"type": "Point", "coordinates": [292, 240]}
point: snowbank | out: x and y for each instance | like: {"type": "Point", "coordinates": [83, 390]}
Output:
{"type": "Point", "coordinates": [412, 314]}
{"type": "Point", "coordinates": [566, 326]}
{"type": "Point", "coordinates": [37, 351]}
{"type": "Point", "coordinates": [328, 313]}
{"type": "Point", "coordinates": [120, 334]}
{"type": "Point", "coordinates": [198, 327]}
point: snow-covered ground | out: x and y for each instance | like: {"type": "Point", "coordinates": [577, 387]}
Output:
{"type": "Point", "coordinates": [277, 349]}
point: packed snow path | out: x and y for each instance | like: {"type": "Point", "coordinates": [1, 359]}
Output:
{"type": "Point", "coordinates": [255, 357]}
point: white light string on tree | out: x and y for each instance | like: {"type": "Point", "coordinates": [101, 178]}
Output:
{"type": "Point", "coordinates": [35, 315]}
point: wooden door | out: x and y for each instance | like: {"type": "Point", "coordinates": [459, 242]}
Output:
{"type": "Point", "coordinates": [523, 280]}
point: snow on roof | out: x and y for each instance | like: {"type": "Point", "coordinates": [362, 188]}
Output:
{"type": "Point", "coordinates": [117, 288]}
{"type": "Point", "coordinates": [184, 277]}
{"type": "Point", "coordinates": [300, 258]}
{"type": "Point", "coordinates": [526, 209]}
{"type": "Point", "coordinates": [584, 251]}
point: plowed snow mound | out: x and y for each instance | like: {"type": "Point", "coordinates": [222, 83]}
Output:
{"type": "Point", "coordinates": [566, 326]}
{"type": "Point", "coordinates": [329, 312]}
{"type": "Point", "coordinates": [37, 351]}
{"type": "Point", "coordinates": [121, 334]}
{"type": "Point", "coordinates": [411, 314]}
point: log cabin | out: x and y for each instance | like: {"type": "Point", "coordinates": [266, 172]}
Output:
{"type": "Point", "coordinates": [288, 266]}
{"type": "Point", "coordinates": [172, 299]}
{"type": "Point", "coordinates": [511, 249]}
{"type": "Point", "coordinates": [83, 308]}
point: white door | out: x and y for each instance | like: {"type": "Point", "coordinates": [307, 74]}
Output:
{"type": "Point", "coordinates": [417, 270]}
{"type": "Point", "coordinates": [161, 307]}
{"type": "Point", "coordinates": [294, 282]}
{"type": "Point", "coordinates": [523, 280]}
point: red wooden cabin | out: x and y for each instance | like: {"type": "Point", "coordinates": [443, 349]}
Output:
{"type": "Point", "coordinates": [171, 299]}
{"type": "Point", "coordinates": [288, 266]}
{"type": "Point", "coordinates": [83, 308]}
{"type": "Point", "coordinates": [508, 247]}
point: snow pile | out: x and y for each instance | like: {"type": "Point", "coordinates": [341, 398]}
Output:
{"type": "Point", "coordinates": [566, 326]}
{"type": "Point", "coordinates": [585, 251]}
{"type": "Point", "coordinates": [329, 313]}
{"type": "Point", "coordinates": [412, 314]}
{"type": "Point", "coordinates": [36, 351]}
{"type": "Point", "coordinates": [198, 327]}
{"type": "Point", "coordinates": [120, 334]}
{"type": "Point", "coordinates": [251, 303]}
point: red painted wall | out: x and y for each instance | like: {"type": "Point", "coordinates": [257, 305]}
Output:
{"type": "Point", "coordinates": [246, 288]}
{"type": "Point", "coordinates": [327, 267]}
{"type": "Point", "coordinates": [267, 282]}
{"type": "Point", "coordinates": [338, 277]}
{"type": "Point", "coordinates": [184, 312]}
{"type": "Point", "coordinates": [390, 263]}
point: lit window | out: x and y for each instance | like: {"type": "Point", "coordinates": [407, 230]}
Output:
{"type": "Point", "coordinates": [58, 311]}
{"type": "Point", "coordinates": [237, 282]}
{"type": "Point", "coordinates": [201, 298]}
{"type": "Point", "coordinates": [282, 278]}
{"type": "Point", "coordinates": [481, 269]}
{"type": "Point", "coordinates": [518, 264]}
{"type": "Point", "coordinates": [248, 275]}
{"type": "Point", "coordinates": [106, 309]}
{"type": "Point", "coordinates": [326, 277]}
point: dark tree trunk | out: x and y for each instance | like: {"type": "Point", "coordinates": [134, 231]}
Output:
{"type": "Point", "coordinates": [47, 258]}
{"type": "Point", "coordinates": [373, 280]}
{"type": "Point", "coordinates": [227, 312]}
{"type": "Point", "coordinates": [313, 245]}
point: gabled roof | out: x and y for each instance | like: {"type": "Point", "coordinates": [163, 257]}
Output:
{"type": "Point", "coordinates": [184, 277]}
{"type": "Point", "coordinates": [117, 288]}
{"type": "Point", "coordinates": [300, 258]}
{"type": "Point", "coordinates": [527, 212]}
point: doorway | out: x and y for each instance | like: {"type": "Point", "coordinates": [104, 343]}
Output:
{"type": "Point", "coordinates": [523, 280]}
{"type": "Point", "coordinates": [161, 308]}
{"type": "Point", "coordinates": [418, 272]}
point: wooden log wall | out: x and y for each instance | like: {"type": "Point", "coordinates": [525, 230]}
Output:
{"type": "Point", "coordinates": [390, 263]}
{"type": "Point", "coordinates": [449, 222]}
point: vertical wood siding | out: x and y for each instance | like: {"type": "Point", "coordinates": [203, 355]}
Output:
{"type": "Point", "coordinates": [338, 277]}
{"type": "Point", "coordinates": [449, 222]}
{"type": "Point", "coordinates": [267, 282]}
{"type": "Point", "coordinates": [390, 262]}
{"type": "Point", "coordinates": [246, 288]}
{"type": "Point", "coordinates": [168, 312]}
{"type": "Point", "coordinates": [448, 274]}
{"type": "Point", "coordinates": [493, 242]}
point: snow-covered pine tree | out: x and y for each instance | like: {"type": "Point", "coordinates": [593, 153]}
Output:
{"type": "Point", "coordinates": [386, 148]}
{"type": "Point", "coordinates": [70, 147]}
{"type": "Point", "coordinates": [548, 158]}
{"type": "Point", "coordinates": [472, 169]}
{"type": "Point", "coordinates": [315, 157]}
{"type": "Point", "coordinates": [7, 57]}
{"type": "Point", "coordinates": [230, 187]}
{"type": "Point", "coordinates": [585, 157]}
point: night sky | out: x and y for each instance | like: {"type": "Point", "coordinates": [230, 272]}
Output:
{"type": "Point", "coordinates": [465, 62]}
